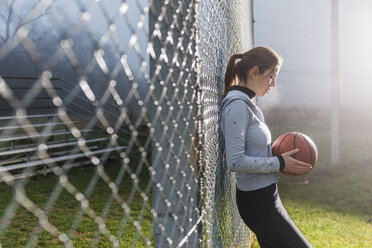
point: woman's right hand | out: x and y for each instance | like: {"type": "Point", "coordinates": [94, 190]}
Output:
{"type": "Point", "coordinates": [294, 166]}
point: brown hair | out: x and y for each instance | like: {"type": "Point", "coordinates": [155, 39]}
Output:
{"type": "Point", "coordinates": [263, 57]}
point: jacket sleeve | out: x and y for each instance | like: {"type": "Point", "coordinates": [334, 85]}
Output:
{"type": "Point", "coordinates": [235, 119]}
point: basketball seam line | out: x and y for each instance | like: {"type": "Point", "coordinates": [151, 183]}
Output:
{"type": "Point", "coordinates": [277, 152]}
{"type": "Point", "coordinates": [311, 152]}
{"type": "Point", "coordinates": [294, 144]}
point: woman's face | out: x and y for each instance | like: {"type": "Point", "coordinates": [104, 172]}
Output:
{"type": "Point", "coordinates": [262, 83]}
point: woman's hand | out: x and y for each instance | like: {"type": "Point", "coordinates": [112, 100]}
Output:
{"type": "Point", "coordinates": [293, 166]}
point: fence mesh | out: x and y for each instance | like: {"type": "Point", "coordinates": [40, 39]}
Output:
{"type": "Point", "coordinates": [223, 224]}
{"type": "Point", "coordinates": [109, 123]}
{"type": "Point", "coordinates": [301, 101]}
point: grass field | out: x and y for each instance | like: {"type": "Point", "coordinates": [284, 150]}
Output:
{"type": "Point", "coordinates": [332, 210]}
{"type": "Point", "coordinates": [65, 212]}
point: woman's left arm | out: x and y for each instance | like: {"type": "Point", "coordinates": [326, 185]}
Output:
{"type": "Point", "coordinates": [236, 118]}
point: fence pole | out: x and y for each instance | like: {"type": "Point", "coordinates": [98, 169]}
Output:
{"type": "Point", "coordinates": [335, 92]}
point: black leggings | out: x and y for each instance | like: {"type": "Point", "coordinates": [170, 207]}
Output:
{"type": "Point", "coordinates": [263, 212]}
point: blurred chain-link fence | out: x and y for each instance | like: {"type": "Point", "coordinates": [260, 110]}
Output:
{"type": "Point", "coordinates": [109, 123]}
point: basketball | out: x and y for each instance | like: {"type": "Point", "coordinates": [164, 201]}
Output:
{"type": "Point", "coordinates": [289, 141]}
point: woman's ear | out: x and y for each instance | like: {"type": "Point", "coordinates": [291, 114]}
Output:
{"type": "Point", "coordinates": [254, 71]}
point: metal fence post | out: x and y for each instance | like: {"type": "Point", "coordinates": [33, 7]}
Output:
{"type": "Point", "coordinates": [335, 92]}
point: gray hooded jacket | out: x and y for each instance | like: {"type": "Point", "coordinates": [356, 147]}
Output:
{"type": "Point", "coordinates": [247, 142]}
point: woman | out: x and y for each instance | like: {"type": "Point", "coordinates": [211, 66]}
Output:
{"type": "Point", "coordinates": [248, 149]}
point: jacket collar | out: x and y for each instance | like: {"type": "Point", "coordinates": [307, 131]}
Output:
{"type": "Point", "coordinates": [245, 90]}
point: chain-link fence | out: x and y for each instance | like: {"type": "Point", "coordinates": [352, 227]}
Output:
{"type": "Point", "coordinates": [301, 99]}
{"type": "Point", "coordinates": [301, 31]}
{"type": "Point", "coordinates": [109, 123]}
{"type": "Point", "coordinates": [223, 224]}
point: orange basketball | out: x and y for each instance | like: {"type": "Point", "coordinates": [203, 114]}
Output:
{"type": "Point", "coordinates": [288, 141]}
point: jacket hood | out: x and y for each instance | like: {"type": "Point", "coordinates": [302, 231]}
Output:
{"type": "Point", "coordinates": [234, 95]}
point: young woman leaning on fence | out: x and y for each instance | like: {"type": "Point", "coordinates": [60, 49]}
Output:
{"type": "Point", "coordinates": [248, 149]}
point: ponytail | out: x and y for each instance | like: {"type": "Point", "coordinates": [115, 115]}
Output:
{"type": "Point", "coordinates": [230, 73]}
{"type": "Point", "coordinates": [263, 57]}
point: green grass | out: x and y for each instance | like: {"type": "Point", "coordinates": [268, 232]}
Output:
{"type": "Point", "coordinates": [334, 208]}
{"type": "Point", "coordinates": [65, 210]}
